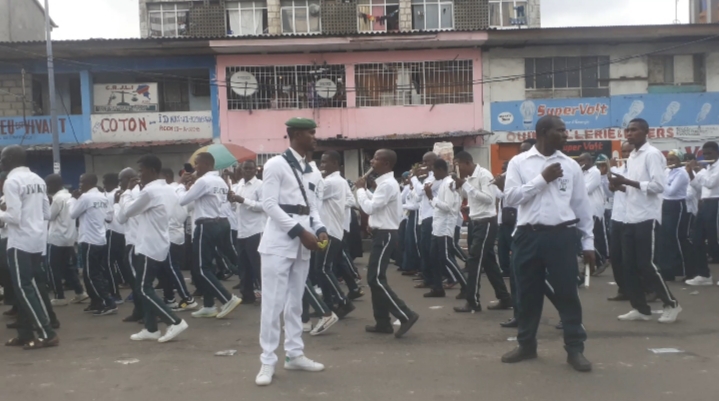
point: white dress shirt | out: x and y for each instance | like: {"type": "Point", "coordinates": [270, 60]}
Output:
{"type": "Point", "coordinates": [425, 208]}
{"type": "Point", "coordinates": [709, 179]}
{"type": "Point", "coordinates": [28, 208]}
{"type": "Point", "coordinates": [677, 184]}
{"type": "Point", "coordinates": [619, 207]}
{"type": "Point", "coordinates": [480, 194]}
{"type": "Point", "coordinates": [130, 225]}
{"type": "Point", "coordinates": [350, 203]}
{"type": "Point", "coordinates": [608, 195]}
{"type": "Point", "coordinates": [114, 225]}
{"type": "Point", "coordinates": [209, 193]}
{"type": "Point", "coordinates": [250, 215]}
{"type": "Point", "coordinates": [593, 183]}
{"type": "Point", "coordinates": [646, 165]}
{"type": "Point", "coordinates": [411, 202]}
{"type": "Point", "coordinates": [694, 193]}
{"type": "Point", "coordinates": [334, 200]}
{"type": "Point", "coordinates": [152, 208]}
{"type": "Point", "coordinates": [93, 210]}
{"type": "Point", "coordinates": [62, 230]}
{"type": "Point", "coordinates": [384, 206]}
{"type": "Point", "coordinates": [446, 206]}
{"type": "Point", "coordinates": [539, 202]}
{"type": "Point", "coordinates": [230, 213]}
{"type": "Point", "coordinates": [280, 187]}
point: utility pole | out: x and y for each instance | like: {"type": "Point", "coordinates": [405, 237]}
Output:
{"type": "Point", "coordinates": [53, 99]}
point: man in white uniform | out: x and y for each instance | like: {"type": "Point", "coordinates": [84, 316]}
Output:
{"type": "Point", "coordinates": [593, 183]}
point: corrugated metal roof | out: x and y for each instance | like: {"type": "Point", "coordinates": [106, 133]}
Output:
{"type": "Point", "coordinates": [119, 145]}
{"type": "Point", "coordinates": [403, 137]}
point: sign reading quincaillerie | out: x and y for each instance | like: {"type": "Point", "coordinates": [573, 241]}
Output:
{"type": "Point", "coordinates": [125, 98]}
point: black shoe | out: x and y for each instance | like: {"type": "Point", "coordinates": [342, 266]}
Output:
{"type": "Point", "coordinates": [500, 305]}
{"type": "Point", "coordinates": [435, 294]}
{"type": "Point", "coordinates": [519, 354]}
{"type": "Point", "coordinates": [467, 308]}
{"type": "Point", "coordinates": [409, 273]}
{"type": "Point", "coordinates": [344, 310]}
{"type": "Point", "coordinates": [559, 326]}
{"type": "Point", "coordinates": [12, 325]}
{"type": "Point", "coordinates": [352, 295]}
{"type": "Point", "coordinates": [511, 323]}
{"type": "Point", "coordinates": [618, 297]}
{"type": "Point", "coordinates": [379, 329]}
{"type": "Point", "coordinates": [10, 312]}
{"type": "Point", "coordinates": [106, 311]}
{"type": "Point", "coordinates": [406, 325]}
{"type": "Point", "coordinates": [132, 319]}
{"type": "Point", "coordinates": [579, 362]}
{"type": "Point", "coordinates": [92, 308]}
{"type": "Point", "coordinates": [55, 325]}
{"type": "Point", "coordinates": [461, 295]}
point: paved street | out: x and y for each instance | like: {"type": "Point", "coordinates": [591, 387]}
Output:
{"type": "Point", "coordinates": [445, 357]}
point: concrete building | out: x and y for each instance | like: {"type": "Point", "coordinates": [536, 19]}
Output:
{"type": "Point", "coordinates": [703, 11]}
{"type": "Point", "coordinates": [22, 20]}
{"type": "Point", "coordinates": [597, 79]}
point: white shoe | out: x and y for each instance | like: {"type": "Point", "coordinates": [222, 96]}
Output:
{"type": "Point", "coordinates": [303, 363]}
{"type": "Point", "coordinates": [670, 314]}
{"type": "Point", "coordinates": [307, 327]}
{"type": "Point", "coordinates": [634, 315]}
{"type": "Point", "coordinates": [172, 305]}
{"type": "Point", "coordinates": [700, 281]}
{"type": "Point", "coordinates": [145, 335]}
{"type": "Point", "coordinates": [324, 324]}
{"type": "Point", "coordinates": [233, 303]}
{"type": "Point", "coordinates": [264, 378]}
{"type": "Point", "coordinates": [205, 312]}
{"type": "Point", "coordinates": [79, 298]}
{"type": "Point", "coordinates": [173, 331]}
{"type": "Point", "coordinates": [59, 302]}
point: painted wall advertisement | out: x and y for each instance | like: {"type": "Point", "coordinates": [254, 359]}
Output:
{"type": "Point", "coordinates": [125, 98]}
{"type": "Point", "coordinates": [686, 117]}
{"type": "Point", "coordinates": [37, 131]}
{"type": "Point", "coordinates": [151, 126]}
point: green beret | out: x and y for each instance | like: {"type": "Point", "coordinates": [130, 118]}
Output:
{"type": "Point", "coordinates": [602, 157]}
{"type": "Point", "coordinates": [301, 123]}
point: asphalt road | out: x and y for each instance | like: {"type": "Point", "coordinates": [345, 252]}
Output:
{"type": "Point", "coordinates": [445, 357]}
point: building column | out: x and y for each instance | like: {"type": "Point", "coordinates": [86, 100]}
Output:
{"type": "Point", "coordinates": [215, 102]}
{"type": "Point", "coordinates": [274, 23]}
{"type": "Point", "coordinates": [534, 16]}
{"type": "Point", "coordinates": [87, 103]}
{"type": "Point", "coordinates": [405, 15]}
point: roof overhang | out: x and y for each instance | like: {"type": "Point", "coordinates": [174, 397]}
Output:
{"type": "Point", "coordinates": [400, 141]}
{"type": "Point", "coordinates": [98, 147]}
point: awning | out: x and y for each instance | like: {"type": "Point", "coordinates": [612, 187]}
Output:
{"type": "Point", "coordinates": [398, 141]}
{"type": "Point", "coordinates": [99, 146]}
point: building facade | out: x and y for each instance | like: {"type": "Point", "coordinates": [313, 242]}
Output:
{"type": "Point", "coordinates": [703, 11]}
{"type": "Point", "coordinates": [22, 20]}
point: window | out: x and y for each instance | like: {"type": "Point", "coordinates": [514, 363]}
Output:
{"type": "Point", "coordinates": [168, 19]}
{"type": "Point", "coordinates": [286, 87]}
{"type": "Point", "coordinates": [378, 15]}
{"type": "Point", "coordinates": [247, 17]}
{"type": "Point", "coordinates": [175, 95]}
{"type": "Point", "coordinates": [300, 16]}
{"type": "Point", "coordinates": [415, 83]}
{"type": "Point", "coordinates": [432, 14]}
{"type": "Point", "coordinates": [506, 13]}
{"type": "Point", "coordinates": [569, 76]}
{"type": "Point", "coordinates": [685, 69]}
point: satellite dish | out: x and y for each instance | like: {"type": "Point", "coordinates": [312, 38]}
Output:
{"type": "Point", "coordinates": [325, 88]}
{"type": "Point", "coordinates": [314, 10]}
{"type": "Point", "coordinates": [243, 83]}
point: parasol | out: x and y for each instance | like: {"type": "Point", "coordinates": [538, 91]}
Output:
{"type": "Point", "coordinates": [225, 154]}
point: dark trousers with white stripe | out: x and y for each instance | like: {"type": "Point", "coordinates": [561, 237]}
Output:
{"type": "Point", "coordinates": [59, 257]}
{"type": "Point", "coordinates": [28, 276]}
{"type": "Point", "coordinates": [324, 260]}
{"type": "Point", "coordinates": [5, 277]}
{"type": "Point", "coordinates": [131, 274]}
{"type": "Point", "coordinates": [94, 259]}
{"type": "Point", "coordinates": [482, 257]}
{"type": "Point", "coordinates": [705, 238]}
{"type": "Point", "coordinates": [343, 266]}
{"type": "Point", "coordinates": [504, 247]}
{"type": "Point", "coordinates": [458, 251]}
{"type": "Point", "coordinates": [443, 262]}
{"type": "Point", "coordinates": [674, 243]}
{"type": "Point", "coordinates": [209, 237]}
{"type": "Point", "coordinates": [639, 253]}
{"type": "Point", "coordinates": [384, 300]}
{"type": "Point", "coordinates": [425, 249]}
{"type": "Point", "coordinates": [173, 280]}
{"type": "Point", "coordinates": [601, 242]}
{"type": "Point", "coordinates": [311, 298]}
{"type": "Point", "coordinates": [542, 260]}
{"type": "Point", "coordinates": [615, 254]}
{"type": "Point", "coordinates": [250, 266]}
{"type": "Point", "coordinates": [412, 259]}
{"type": "Point", "coordinates": [115, 258]}
{"type": "Point", "coordinates": [147, 270]}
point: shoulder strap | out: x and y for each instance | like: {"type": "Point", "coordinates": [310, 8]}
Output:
{"type": "Point", "coordinates": [299, 181]}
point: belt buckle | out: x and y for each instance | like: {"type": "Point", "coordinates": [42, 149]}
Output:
{"type": "Point", "coordinates": [303, 210]}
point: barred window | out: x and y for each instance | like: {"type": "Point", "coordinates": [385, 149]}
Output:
{"type": "Point", "coordinates": [246, 17]}
{"type": "Point", "coordinates": [378, 15]}
{"type": "Point", "coordinates": [425, 82]}
{"type": "Point", "coordinates": [570, 76]}
{"type": "Point", "coordinates": [286, 87]}
{"type": "Point", "coordinates": [300, 16]}
{"type": "Point", "coordinates": [168, 20]}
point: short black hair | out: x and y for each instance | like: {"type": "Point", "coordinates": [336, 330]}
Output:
{"type": "Point", "coordinates": [464, 156]}
{"type": "Point", "coordinates": [689, 156]}
{"type": "Point", "coordinates": [111, 179]}
{"type": "Point", "coordinates": [643, 124]}
{"type": "Point", "coordinates": [90, 178]}
{"type": "Point", "coordinates": [545, 123]}
{"type": "Point", "coordinates": [167, 172]}
{"type": "Point", "coordinates": [333, 155]}
{"type": "Point", "coordinates": [441, 164]}
{"type": "Point", "coordinates": [206, 156]}
{"type": "Point", "coordinates": [530, 141]}
{"type": "Point", "coordinates": [711, 145]}
{"type": "Point", "coordinates": [152, 162]}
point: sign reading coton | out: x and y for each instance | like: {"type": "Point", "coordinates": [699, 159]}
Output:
{"type": "Point", "coordinates": [151, 126]}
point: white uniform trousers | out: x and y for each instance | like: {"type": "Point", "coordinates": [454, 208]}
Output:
{"type": "Point", "coordinates": [283, 283]}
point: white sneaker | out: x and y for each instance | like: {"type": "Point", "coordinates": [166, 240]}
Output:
{"type": "Point", "coordinates": [634, 315]}
{"type": "Point", "coordinates": [670, 314]}
{"type": "Point", "coordinates": [145, 335]}
{"type": "Point", "coordinates": [59, 302]}
{"type": "Point", "coordinates": [700, 281]}
{"type": "Point", "coordinates": [225, 309]}
{"type": "Point", "coordinates": [324, 324]}
{"type": "Point", "coordinates": [307, 327]}
{"type": "Point", "coordinates": [172, 305]}
{"type": "Point", "coordinates": [79, 298]}
{"type": "Point", "coordinates": [173, 331]}
{"type": "Point", "coordinates": [303, 363]}
{"type": "Point", "coordinates": [205, 312]}
{"type": "Point", "coordinates": [264, 378]}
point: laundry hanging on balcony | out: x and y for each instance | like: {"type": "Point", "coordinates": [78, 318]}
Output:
{"type": "Point", "coordinates": [381, 19]}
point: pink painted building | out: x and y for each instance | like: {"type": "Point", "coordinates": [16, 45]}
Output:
{"type": "Point", "coordinates": [400, 91]}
